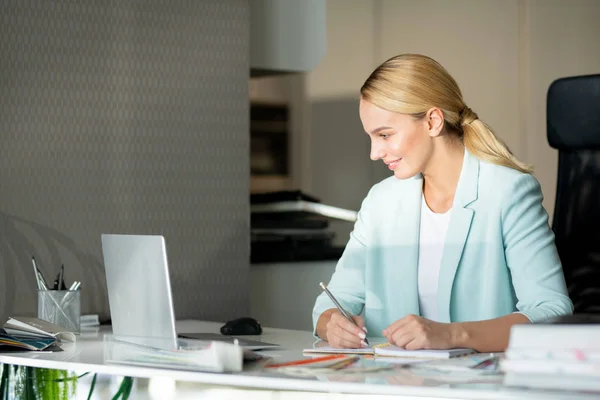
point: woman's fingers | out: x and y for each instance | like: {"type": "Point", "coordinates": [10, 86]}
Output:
{"type": "Point", "coordinates": [343, 333]}
{"type": "Point", "coordinates": [399, 324]}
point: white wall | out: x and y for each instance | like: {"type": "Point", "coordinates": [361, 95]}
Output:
{"type": "Point", "coordinates": [351, 53]}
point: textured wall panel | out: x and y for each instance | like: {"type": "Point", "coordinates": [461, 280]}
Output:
{"type": "Point", "coordinates": [125, 117]}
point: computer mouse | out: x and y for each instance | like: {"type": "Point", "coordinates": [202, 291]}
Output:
{"type": "Point", "coordinates": [242, 326]}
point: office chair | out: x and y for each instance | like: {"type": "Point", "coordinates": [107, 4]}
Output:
{"type": "Point", "coordinates": [573, 128]}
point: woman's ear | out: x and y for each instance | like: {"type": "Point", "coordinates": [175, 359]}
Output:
{"type": "Point", "coordinates": [435, 121]}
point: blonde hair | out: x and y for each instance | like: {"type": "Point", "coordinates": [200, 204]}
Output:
{"type": "Point", "coordinates": [413, 84]}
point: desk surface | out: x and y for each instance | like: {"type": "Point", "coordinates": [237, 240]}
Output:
{"type": "Point", "coordinates": [87, 355]}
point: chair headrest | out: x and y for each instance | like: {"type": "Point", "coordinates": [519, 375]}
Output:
{"type": "Point", "coordinates": [573, 113]}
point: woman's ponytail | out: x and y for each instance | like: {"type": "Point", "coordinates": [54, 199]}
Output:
{"type": "Point", "coordinates": [485, 145]}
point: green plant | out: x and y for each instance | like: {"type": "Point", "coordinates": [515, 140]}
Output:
{"type": "Point", "coordinates": [29, 383]}
{"type": "Point", "coordinates": [4, 379]}
{"type": "Point", "coordinates": [124, 389]}
{"type": "Point", "coordinates": [54, 384]}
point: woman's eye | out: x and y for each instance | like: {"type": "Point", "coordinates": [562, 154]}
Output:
{"type": "Point", "coordinates": [383, 136]}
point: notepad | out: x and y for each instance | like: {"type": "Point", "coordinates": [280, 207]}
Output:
{"type": "Point", "coordinates": [395, 351]}
{"type": "Point", "coordinates": [389, 350]}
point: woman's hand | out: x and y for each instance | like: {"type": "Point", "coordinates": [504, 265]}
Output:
{"type": "Point", "coordinates": [414, 333]}
{"type": "Point", "coordinates": [341, 333]}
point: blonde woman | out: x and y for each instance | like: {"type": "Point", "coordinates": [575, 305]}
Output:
{"type": "Point", "coordinates": [455, 248]}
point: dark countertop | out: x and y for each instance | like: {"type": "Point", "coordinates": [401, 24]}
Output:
{"type": "Point", "coordinates": [268, 253]}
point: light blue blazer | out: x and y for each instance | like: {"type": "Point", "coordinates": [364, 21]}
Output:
{"type": "Point", "coordinates": [499, 256]}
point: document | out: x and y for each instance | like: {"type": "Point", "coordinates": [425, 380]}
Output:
{"type": "Point", "coordinates": [190, 355]}
{"type": "Point", "coordinates": [36, 328]}
{"type": "Point", "coordinates": [24, 342]}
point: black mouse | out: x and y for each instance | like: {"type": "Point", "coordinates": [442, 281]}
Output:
{"type": "Point", "coordinates": [242, 326]}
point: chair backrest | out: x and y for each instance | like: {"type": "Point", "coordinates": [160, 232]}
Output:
{"type": "Point", "coordinates": [573, 124]}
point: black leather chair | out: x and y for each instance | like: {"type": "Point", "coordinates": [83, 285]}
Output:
{"type": "Point", "coordinates": [573, 123]}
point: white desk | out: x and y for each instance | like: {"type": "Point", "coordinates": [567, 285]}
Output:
{"type": "Point", "coordinates": [87, 355]}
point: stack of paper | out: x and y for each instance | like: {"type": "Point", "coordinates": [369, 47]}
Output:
{"type": "Point", "coordinates": [193, 355]}
{"type": "Point", "coordinates": [32, 333]}
{"type": "Point", "coordinates": [24, 341]}
{"type": "Point", "coordinates": [553, 356]}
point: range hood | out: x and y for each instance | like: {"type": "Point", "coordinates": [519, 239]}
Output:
{"type": "Point", "coordinates": [286, 36]}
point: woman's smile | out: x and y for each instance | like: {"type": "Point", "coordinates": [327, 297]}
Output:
{"type": "Point", "coordinates": [393, 164]}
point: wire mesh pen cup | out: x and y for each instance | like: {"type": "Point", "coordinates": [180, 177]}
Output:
{"type": "Point", "coordinates": [61, 307]}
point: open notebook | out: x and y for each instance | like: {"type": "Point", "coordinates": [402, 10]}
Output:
{"type": "Point", "coordinates": [387, 349]}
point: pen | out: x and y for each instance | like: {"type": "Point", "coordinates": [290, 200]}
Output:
{"type": "Point", "coordinates": [40, 276]}
{"type": "Point", "coordinates": [37, 277]}
{"type": "Point", "coordinates": [306, 361]}
{"type": "Point", "coordinates": [67, 297]}
{"type": "Point", "coordinates": [339, 307]}
{"type": "Point", "coordinates": [55, 287]}
{"type": "Point", "coordinates": [61, 280]}
{"type": "Point", "coordinates": [491, 360]}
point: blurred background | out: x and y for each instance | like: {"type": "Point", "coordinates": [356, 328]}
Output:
{"type": "Point", "coordinates": [179, 118]}
{"type": "Point", "coordinates": [503, 54]}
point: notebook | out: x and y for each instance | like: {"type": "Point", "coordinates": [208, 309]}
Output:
{"type": "Point", "coordinates": [389, 350]}
{"type": "Point", "coordinates": [32, 327]}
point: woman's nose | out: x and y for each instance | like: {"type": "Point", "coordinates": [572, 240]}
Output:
{"type": "Point", "coordinates": [377, 152]}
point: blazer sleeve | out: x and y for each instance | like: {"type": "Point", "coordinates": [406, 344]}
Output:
{"type": "Point", "coordinates": [531, 254]}
{"type": "Point", "coordinates": [347, 283]}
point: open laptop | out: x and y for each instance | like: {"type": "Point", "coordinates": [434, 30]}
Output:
{"type": "Point", "coordinates": [139, 292]}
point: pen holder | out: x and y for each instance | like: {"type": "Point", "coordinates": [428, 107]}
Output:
{"type": "Point", "coordinates": [61, 307]}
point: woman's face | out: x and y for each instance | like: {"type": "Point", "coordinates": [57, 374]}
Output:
{"type": "Point", "coordinates": [403, 143]}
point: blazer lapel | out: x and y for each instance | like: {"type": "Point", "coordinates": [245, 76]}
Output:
{"type": "Point", "coordinates": [458, 230]}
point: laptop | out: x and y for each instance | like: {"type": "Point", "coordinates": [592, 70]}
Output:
{"type": "Point", "coordinates": [139, 292]}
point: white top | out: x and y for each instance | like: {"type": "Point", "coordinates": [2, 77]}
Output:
{"type": "Point", "coordinates": [432, 235]}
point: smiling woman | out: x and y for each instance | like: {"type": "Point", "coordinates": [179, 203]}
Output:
{"type": "Point", "coordinates": [428, 92]}
{"type": "Point", "coordinates": [455, 248]}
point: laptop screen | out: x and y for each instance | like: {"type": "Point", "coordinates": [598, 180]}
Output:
{"type": "Point", "coordinates": [139, 289]}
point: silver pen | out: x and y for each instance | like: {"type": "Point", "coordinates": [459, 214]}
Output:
{"type": "Point", "coordinates": [339, 307]}
{"type": "Point", "coordinates": [41, 282]}
{"type": "Point", "coordinates": [37, 277]}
